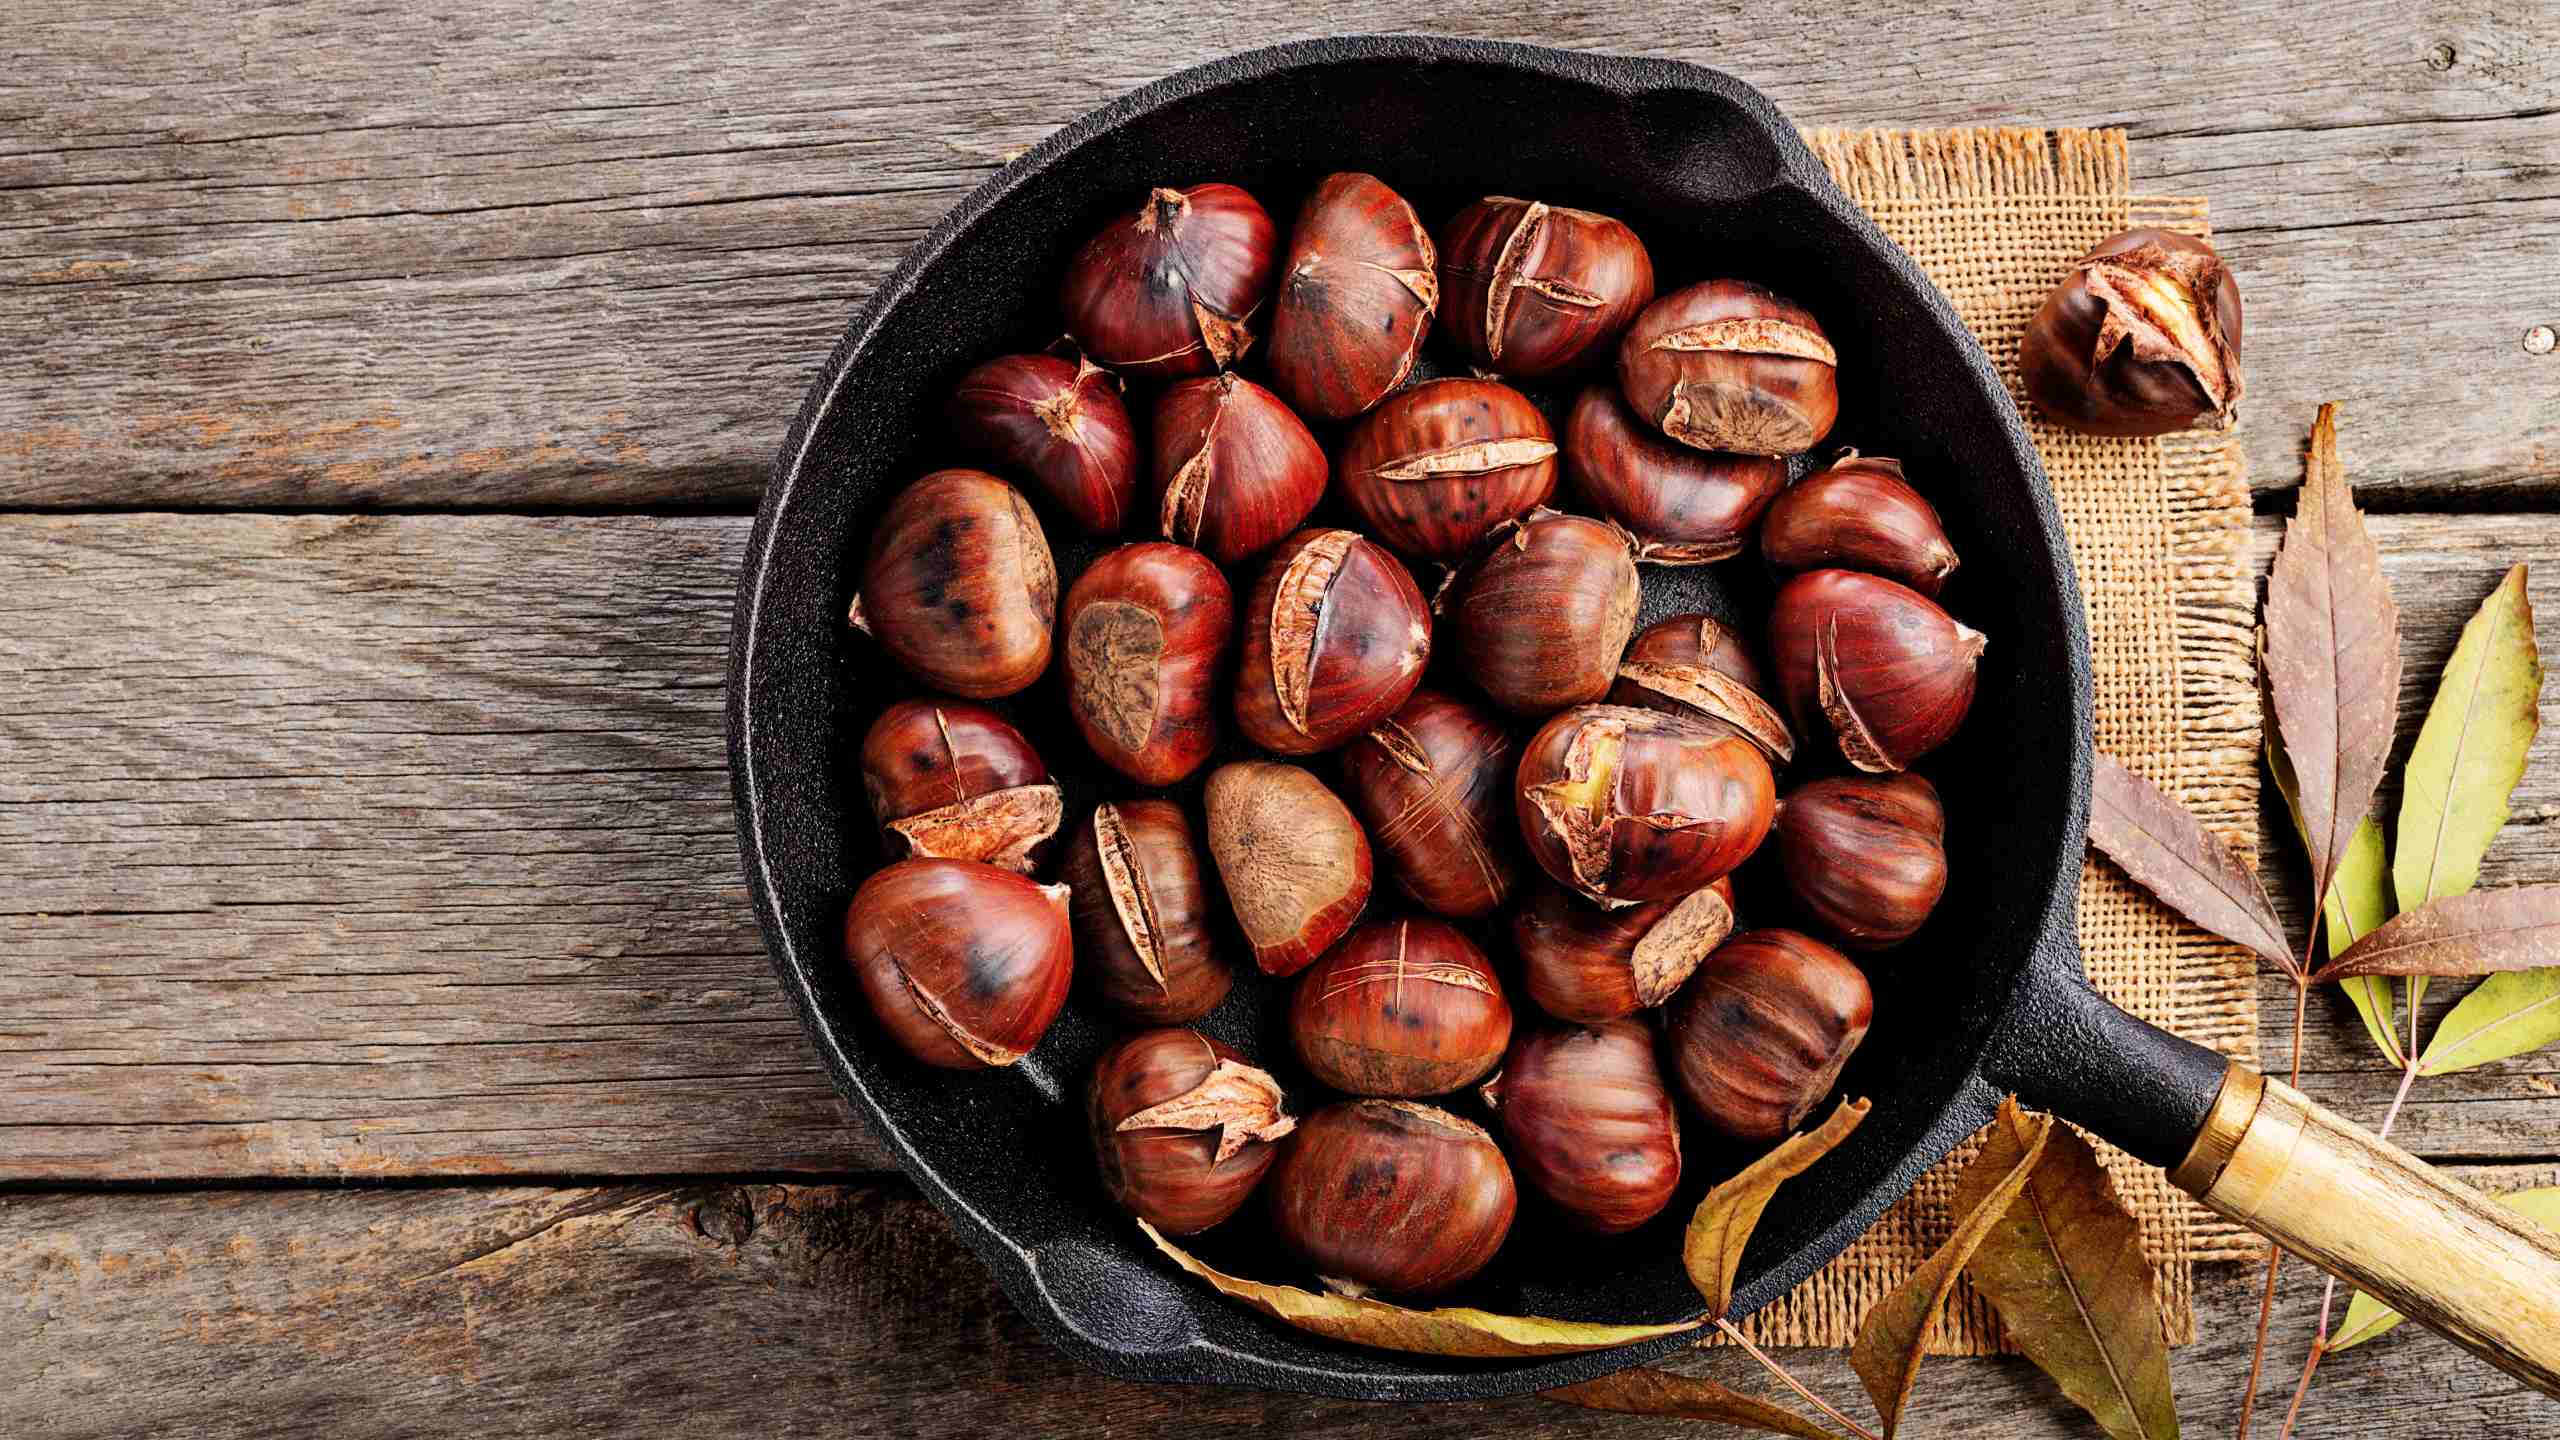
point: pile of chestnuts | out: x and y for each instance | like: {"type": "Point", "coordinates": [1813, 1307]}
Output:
{"type": "Point", "coordinates": [1344, 604]}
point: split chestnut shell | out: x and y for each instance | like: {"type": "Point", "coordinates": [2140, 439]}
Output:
{"type": "Point", "coordinates": [1335, 637]}
{"type": "Point", "coordinates": [1439, 466]}
{"type": "Point", "coordinates": [1183, 1128]}
{"type": "Point", "coordinates": [1683, 506]}
{"type": "Point", "coordinates": [1629, 805]}
{"type": "Point", "coordinates": [1234, 469]}
{"type": "Point", "coordinates": [2142, 337]}
{"type": "Point", "coordinates": [954, 781]}
{"type": "Point", "coordinates": [1141, 912]}
{"type": "Point", "coordinates": [1590, 965]}
{"type": "Point", "coordinates": [1403, 1008]}
{"type": "Point", "coordinates": [1878, 664]}
{"type": "Point", "coordinates": [1433, 784]}
{"type": "Point", "coordinates": [1726, 365]}
{"type": "Point", "coordinates": [1859, 513]}
{"type": "Point", "coordinates": [1171, 288]}
{"type": "Point", "coordinates": [965, 964]}
{"type": "Point", "coordinates": [1356, 299]}
{"type": "Point", "coordinates": [1530, 289]}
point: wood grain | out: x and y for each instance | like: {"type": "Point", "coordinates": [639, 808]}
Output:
{"type": "Point", "coordinates": [344, 256]}
{"type": "Point", "coordinates": [762, 1309]}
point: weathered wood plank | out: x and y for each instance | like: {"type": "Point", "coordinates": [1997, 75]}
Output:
{"type": "Point", "coordinates": [846, 1310]}
{"type": "Point", "coordinates": [347, 256]}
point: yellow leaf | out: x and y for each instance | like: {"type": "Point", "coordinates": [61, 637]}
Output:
{"type": "Point", "coordinates": [1646, 1391]}
{"type": "Point", "coordinates": [2368, 1317]}
{"type": "Point", "coordinates": [1454, 1331]}
{"type": "Point", "coordinates": [1723, 1222]}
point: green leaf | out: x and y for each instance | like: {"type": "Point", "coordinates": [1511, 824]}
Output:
{"type": "Point", "coordinates": [2359, 900]}
{"type": "Point", "coordinates": [2368, 1317]}
{"type": "Point", "coordinates": [2511, 1014]}
{"type": "Point", "coordinates": [2471, 751]}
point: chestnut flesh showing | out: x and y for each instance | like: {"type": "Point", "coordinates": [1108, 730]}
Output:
{"type": "Point", "coordinates": [1878, 664]}
{"type": "Point", "coordinates": [1531, 289]}
{"type": "Point", "coordinates": [1539, 620]}
{"type": "Point", "coordinates": [1433, 784]}
{"type": "Point", "coordinates": [1234, 470]}
{"type": "Point", "coordinates": [958, 585]}
{"type": "Point", "coordinates": [1864, 856]}
{"type": "Point", "coordinates": [1759, 1034]}
{"type": "Point", "coordinates": [1590, 965]}
{"type": "Point", "coordinates": [1859, 513]}
{"type": "Point", "coordinates": [1183, 1128]}
{"type": "Point", "coordinates": [965, 964]}
{"type": "Point", "coordinates": [1726, 365]}
{"type": "Point", "coordinates": [1058, 423]}
{"type": "Point", "coordinates": [2142, 337]}
{"type": "Point", "coordinates": [1393, 1196]}
{"type": "Point", "coordinates": [1335, 638]}
{"type": "Point", "coordinates": [1439, 466]}
{"type": "Point", "coordinates": [1356, 299]}
{"type": "Point", "coordinates": [1626, 805]}
{"type": "Point", "coordinates": [1683, 506]}
{"type": "Point", "coordinates": [952, 781]}
{"type": "Point", "coordinates": [1295, 864]}
{"type": "Point", "coordinates": [1403, 1009]}
{"type": "Point", "coordinates": [1146, 630]}
{"type": "Point", "coordinates": [1141, 913]}
{"type": "Point", "coordinates": [1590, 1123]}
{"type": "Point", "coordinates": [1172, 289]}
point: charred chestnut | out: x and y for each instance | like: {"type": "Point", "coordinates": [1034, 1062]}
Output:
{"type": "Point", "coordinates": [1439, 466]}
{"type": "Point", "coordinates": [1591, 965]}
{"type": "Point", "coordinates": [949, 781]}
{"type": "Point", "coordinates": [1183, 1128]}
{"type": "Point", "coordinates": [1140, 912]}
{"type": "Point", "coordinates": [2142, 337]}
{"type": "Point", "coordinates": [1146, 636]}
{"type": "Point", "coordinates": [1295, 864]}
{"type": "Point", "coordinates": [1335, 638]}
{"type": "Point", "coordinates": [1626, 805]}
{"type": "Point", "coordinates": [1356, 298]}
{"type": "Point", "coordinates": [1172, 289]}
{"type": "Point", "coordinates": [1760, 1033]}
{"type": "Point", "coordinates": [1726, 365]}
{"type": "Point", "coordinates": [958, 585]}
{"type": "Point", "coordinates": [1433, 784]}
{"type": "Point", "coordinates": [1590, 1123]}
{"type": "Point", "coordinates": [1540, 618]}
{"type": "Point", "coordinates": [1390, 1195]}
{"type": "Point", "coordinates": [1403, 1009]}
{"type": "Point", "coordinates": [965, 964]}
{"type": "Point", "coordinates": [1530, 289]}
{"type": "Point", "coordinates": [1060, 424]}
{"type": "Point", "coordinates": [1876, 662]}
{"type": "Point", "coordinates": [1683, 506]}
{"type": "Point", "coordinates": [1865, 857]}
{"type": "Point", "coordinates": [1692, 666]}
{"type": "Point", "coordinates": [1859, 513]}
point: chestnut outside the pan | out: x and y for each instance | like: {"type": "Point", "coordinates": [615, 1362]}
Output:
{"type": "Point", "coordinates": [1717, 183]}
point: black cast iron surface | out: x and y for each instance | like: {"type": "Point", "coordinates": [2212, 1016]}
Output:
{"type": "Point", "coordinates": [1988, 998]}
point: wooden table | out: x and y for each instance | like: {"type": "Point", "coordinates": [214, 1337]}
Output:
{"type": "Point", "coordinates": [385, 1044]}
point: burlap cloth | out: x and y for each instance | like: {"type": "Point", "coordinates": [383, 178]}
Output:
{"type": "Point", "coordinates": [2160, 529]}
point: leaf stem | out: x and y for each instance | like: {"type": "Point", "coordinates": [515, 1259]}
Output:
{"type": "Point", "coordinates": [2329, 1294]}
{"type": "Point", "coordinates": [1734, 1333]}
{"type": "Point", "coordinates": [2275, 1253]}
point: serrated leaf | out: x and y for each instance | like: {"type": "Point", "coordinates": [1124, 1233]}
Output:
{"type": "Point", "coordinates": [1886, 1354]}
{"type": "Point", "coordinates": [2065, 1269]}
{"type": "Point", "coordinates": [2476, 934]}
{"type": "Point", "coordinates": [1647, 1391]}
{"type": "Point", "coordinates": [1452, 1331]}
{"type": "Point", "coordinates": [2332, 654]}
{"type": "Point", "coordinates": [2359, 897]}
{"type": "Point", "coordinates": [2505, 1015]}
{"type": "Point", "coordinates": [2368, 1317]}
{"type": "Point", "coordinates": [1722, 1224]}
{"type": "Point", "coordinates": [2153, 839]}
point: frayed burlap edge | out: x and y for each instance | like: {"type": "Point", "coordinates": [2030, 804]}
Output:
{"type": "Point", "coordinates": [2160, 530]}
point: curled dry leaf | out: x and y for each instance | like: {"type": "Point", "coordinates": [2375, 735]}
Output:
{"type": "Point", "coordinates": [2189, 868]}
{"type": "Point", "coordinates": [2475, 934]}
{"type": "Point", "coordinates": [2332, 654]}
{"type": "Point", "coordinates": [2359, 897]}
{"type": "Point", "coordinates": [1451, 1331]}
{"type": "Point", "coordinates": [2064, 1266]}
{"type": "Point", "coordinates": [2368, 1317]}
{"type": "Point", "coordinates": [1647, 1391]}
{"type": "Point", "coordinates": [1887, 1352]}
{"type": "Point", "coordinates": [1723, 1222]}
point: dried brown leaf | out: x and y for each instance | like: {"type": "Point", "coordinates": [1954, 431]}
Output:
{"type": "Point", "coordinates": [1887, 1353]}
{"type": "Point", "coordinates": [2479, 933]}
{"type": "Point", "coordinates": [2333, 655]}
{"type": "Point", "coordinates": [2154, 840]}
{"type": "Point", "coordinates": [2065, 1269]}
{"type": "Point", "coordinates": [1454, 1331]}
{"type": "Point", "coordinates": [1723, 1222]}
{"type": "Point", "coordinates": [1646, 1391]}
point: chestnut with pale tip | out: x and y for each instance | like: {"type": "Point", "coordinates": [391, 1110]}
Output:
{"type": "Point", "coordinates": [1695, 667]}
{"type": "Point", "coordinates": [1433, 784]}
{"type": "Point", "coordinates": [1402, 1009]}
{"type": "Point", "coordinates": [2141, 337]}
{"type": "Point", "coordinates": [1442, 465]}
{"type": "Point", "coordinates": [1061, 425]}
{"type": "Point", "coordinates": [958, 585]}
{"type": "Point", "coordinates": [1540, 618]}
{"type": "Point", "coordinates": [1336, 635]}
{"type": "Point", "coordinates": [1146, 628]}
{"type": "Point", "coordinates": [1391, 1196]}
{"type": "Point", "coordinates": [953, 781]}
{"type": "Point", "coordinates": [1864, 856]}
{"type": "Point", "coordinates": [1172, 288]}
{"type": "Point", "coordinates": [1589, 1122]}
{"type": "Point", "coordinates": [1294, 862]}
{"type": "Point", "coordinates": [1759, 1035]}
{"type": "Point", "coordinates": [1183, 1128]}
{"type": "Point", "coordinates": [1682, 506]}
{"type": "Point", "coordinates": [1728, 365]}
{"type": "Point", "coordinates": [1859, 513]}
{"type": "Point", "coordinates": [1590, 965]}
{"type": "Point", "coordinates": [1532, 289]}
{"type": "Point", "coordinates": [1234, 470]}
{"type": "Point", "coordinates": [964, 964]}
{"type": "Point", "coordinates": [1140, 913]}
{"type": "Point", "coordinates": [1356, 299]}
{"type": "Point", "coordinates": [1878, 664]}
{"type": "Point", "coordinates": [1627, 805]}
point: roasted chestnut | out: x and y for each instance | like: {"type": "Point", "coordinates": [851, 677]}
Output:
{"type": "Point", "coordinates": [1058, 423]}
{"type": "Point", "coordinates": [1295, 864]}
{"type": "Point", "coordinates": [1865, 857]}
{"type": "Point", "coordinates": [1589, 1121]}
{"type": "Point", "coordinates": [1433, 785]}
{"type": "Point", "coordinates": [1683, 506]}
{"type": "Point", "coordinates": [1590, 965]}
{"type": "Point", "coordinates": [965, 964]}
{"type": "Point", "coordinates": [949, 781]}
{"type": "Point", "coordinates": [1726, 365]}
{"type": "Point", "coordinates": [1530, 289]}
{"type": "Point", "coordinates": [1859, 513]}
{"type": "Point", "coordinates": [1626, 805]}
{"type": "Point", "coordinates": [1146, 636]}
{"type": "Point", "coordinates": [1759, 1034]}
{"type": "Point", "coordinates": [1234, 470]}
{"type": "Point", "coordinates": [958, 585]}
{"type": "Point", "coordinates": [1356, 298]}
{"type": "Point", "coordinates": [1439, 466]}
{"type": "Point", "coordinates": [1335, 638]}
{"type": "Point", "coordinates": [2142, 337]}
{"type": "Point", "coordinates": [1182, 1127]}
{"type": "Point", "coordinates": [1390, 1195]}
{"type": "Point", "coordinates": [1171, 290]}
{"type": "Point", "coordinates": [1690, 665]}
{"type": "Point", "coordinates": [1141, 913]}
{"type": "Point", "coordinates": [1401, 1008]}
{"type": "Point", "coordinates": [1878, 663]}
{"type": "Point", "coordinates": [1540, 618]}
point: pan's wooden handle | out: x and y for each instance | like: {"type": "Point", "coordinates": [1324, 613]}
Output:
{"type": "Point", "coordinates": [2381, 1219]}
